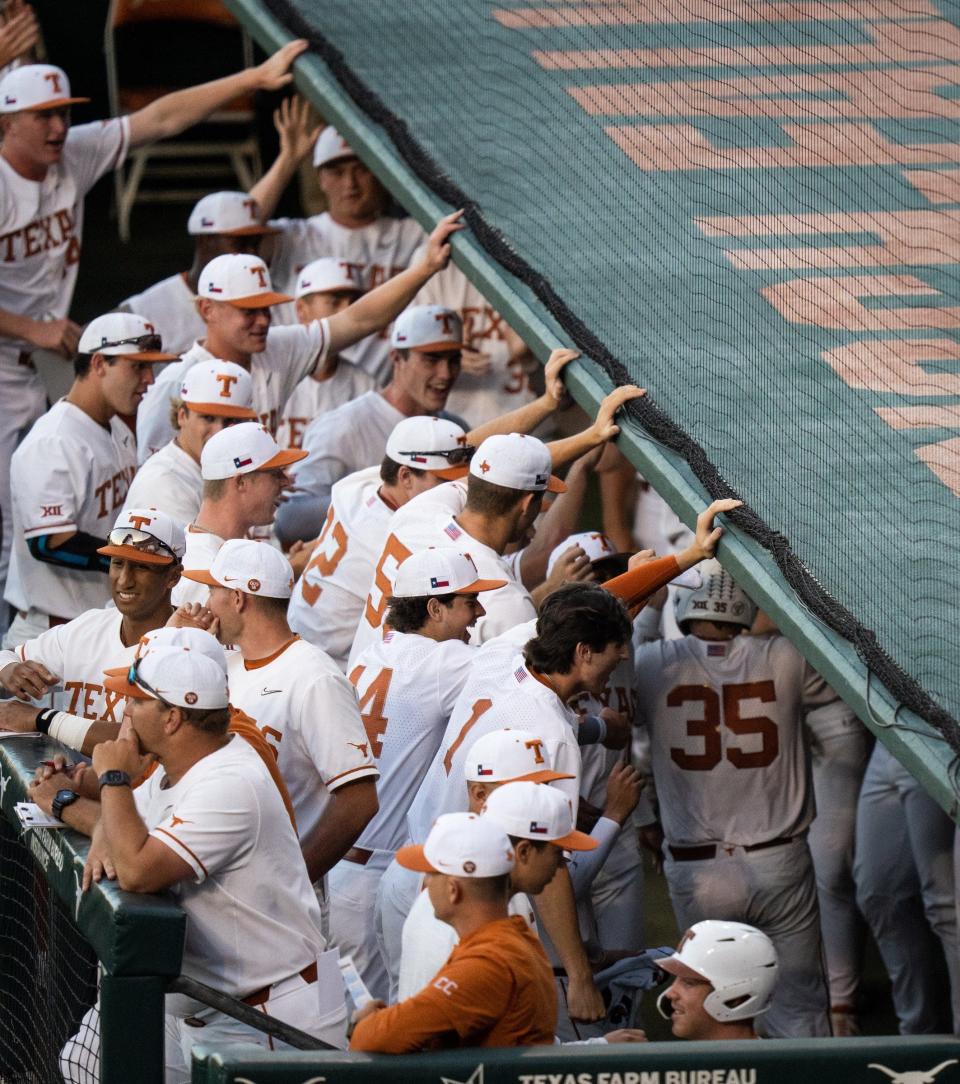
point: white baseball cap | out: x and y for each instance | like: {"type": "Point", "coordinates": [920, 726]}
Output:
{"type": "Point", "coordinates": [256, 568]}
{"type": "Point", "coordinates": [327, 275]}
{"type": "Point", "coordinates": [175, 675]}
{"type": "Point", "coordinates": [509, 755]}
{"type": "Point", "coordinates": [516, 461]}
{"type": "Point", "coordinates": [431, 329]}
{"type": "Point", "coordinates": [440, 572]}
{"type": "Point", "coordinates": [331, 147]}
{"type": "Point", "coordinates": [35, 86]}
{"type": "Point", "coordinates": [594, 544]}
{"type": "Point", "coordinates": [232, 214]}
{"type": "Point", "coordinates": [192, 639]}
{"type": "Point", "coordinates": [461, 845]}
{"type": "Point", "coordinates": [218, 387]}
{"type": "Point", "coordinates": [532, 811]}
{"type": "Point", "coordinates": [123, 335]}
{"type": "Point", "coordinates": [147, 536]}
{"type": "Point", "coordinates": [431, 444]}
{"type": "Point", "coordinates": [242, 449]}
{"type": "Point", "coordinates": [241, 280]}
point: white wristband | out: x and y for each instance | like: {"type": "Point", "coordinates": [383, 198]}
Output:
{"type": "Point", "coordinates": [70, 729]}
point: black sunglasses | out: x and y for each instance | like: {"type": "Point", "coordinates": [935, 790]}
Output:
{"type": "Point", "coordinates": [141, 540]}
{"type": "Point", "coordinates": [134, 678]}
{"type": "Point", "coordinates": [454, 456]}
{"type": "Point", "coordinates": [141, 342]}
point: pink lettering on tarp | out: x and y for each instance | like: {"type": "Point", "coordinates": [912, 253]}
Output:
{"type": "Point", "coordinates": [892, 365]}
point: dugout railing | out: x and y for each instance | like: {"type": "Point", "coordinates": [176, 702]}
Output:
{"type": "Point", "coordinates": [59, 945]}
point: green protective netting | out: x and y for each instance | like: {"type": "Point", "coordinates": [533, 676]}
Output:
{"type": "Point", "coordinates": [751, 209]}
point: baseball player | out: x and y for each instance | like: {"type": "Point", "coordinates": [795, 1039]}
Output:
{"type": "Point", "coordinates": [495, 363]}
{"type": "Point", "coordinates": [222, 222]}
{"type": "Point", "coordinates": [731, 766]}
{"type": "Point", "coordinates": [328, 599]}
{"type": "Point", "coordinates": [407, 684]}
{"type": "Point", "coordinates": [496, 989]}
{"type": "Point", "coordinates": [244, 473]}
{"type": "Point", "coordinates": [354, 228]}
{"type": "Point", "coordinates": [71, 475]}
{"type": "Point", "coordinates": [725, 975]}
{"type": "Point", "coordinates": [212, 395]}
{"type": "Point", "coordinates": [144, 550]}
{"type": "Point", "coordinates": [509, 475]}
{"type": "Point", "coordinates": [904, 875]}
{"type": "Point", "coordinates": [47, 168]}
{"type": "Point", "coordinates": [211, 823]}
{"type": "Point", "coordinates": [426, 359]}
{"type": "Point", "coordinates": [303, 705]}
{"type": "Point", "coordinates": [234, 300]}
{"type": "Point", "coordinates": [324, 288]}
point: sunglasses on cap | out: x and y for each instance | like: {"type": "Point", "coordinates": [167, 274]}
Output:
{"type": "Point", "coordinates": [454, 456]}
{"type": "Point", "coordinates": [141, 540]}
{"type": "Point", "coordinates": [144, 343]}
{"type": "Point", "coordinates": [134, 678]}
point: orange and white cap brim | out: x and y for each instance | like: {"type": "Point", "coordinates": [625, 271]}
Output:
{"type": "Point", "coordinates": [284, 458]}
{"type": "Point", "coordinates": [442, 347]}
{"type": "Point", "coordinates": [256, 301]}
{"type": "Point", "coordinates": [479, 585]}
{"type": "Point", "coordinates": [556, 485]}
{"type": "Point", "coordinates": [450, 474]}
{"type": "Point", "coordinates": [412, 857]}
{"type": "Point", "coordinates": [53, 103]}
{"type": "Point", "coordinates": [576, 841]}
{"type": "Point", "coordinates": [118, 683]}
{"type": "Point", "coordinates": [222, 410]}
{"type": "Point", "coordinates": [248, 231]}
{"type": "Point", "coordinates": [201, 575]}
{"type": "Point", "coordinates": [131, 553]}
{"type": "Point", "coordinates": [145, 355]}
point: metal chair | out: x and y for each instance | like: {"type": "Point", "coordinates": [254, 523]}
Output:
{"type": "Point", "coordinates": [182, 159]}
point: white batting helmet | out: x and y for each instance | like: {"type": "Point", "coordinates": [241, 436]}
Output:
{"type": "Point", "coordinates": [739, 961]}
{"type": "Point", "coordinates": [716, 599]}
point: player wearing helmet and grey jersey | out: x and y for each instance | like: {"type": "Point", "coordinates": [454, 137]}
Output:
{"type": "Point", "coordinates": [732, 770]}
{"type": "Point", "coordinates": [725, 974]}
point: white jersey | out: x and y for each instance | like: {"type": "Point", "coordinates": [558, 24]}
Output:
{"type": "Point", "coordinates": [328, 598]}
{"type": "Point", "coordinates": [506, 694]}
{"type": "Point", "coordinates": [252, 914]}
{"type": "Point", "coordinates": [348, 439]}
{"type": "Point", "coordinates": [307, 711]}
{"type": "Point", "coordinates": [730, 760]}
{"type": "Point", "coordinates": [313, 397]}
{"type": "Point", "coordinates": [41, 223]}
{"type": "Point", "coordinates": [290, 355]}
{"type": "Point", "coordinates": [375, 253]}
{"type": "Point", "coordinates": [407, 686]}
{"type": "Point", "coordinates": [78, 653]}
{"type": "Point", "coordinates": [429, 520]}
{"type": "Point", "coordinates": [427, 942]}
{"type": "Point", "coordinates": [170, 481]}
{"type": "Point", "coordinates": [202, 547]}
{"type": "Point", "coordinates": [506, 386]}
{"type": "Point", "coordinates": [69, 474]}
{"type": "Point", "coordinates": [170, 306]}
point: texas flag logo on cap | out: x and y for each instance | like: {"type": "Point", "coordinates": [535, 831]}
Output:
{"type": "Point", "coordinates": [214, 289]}
{"type": "Point", "coordinates": [9, 100]}
{"type": "Point", "coordinates": [538, 829]}
{"type": "Point", "coordinates": [206, 222]}
{"type": "Point", "coordinates": [484, 771]}
{"type": "Point", "coordinates": [435, 583]}
{"type": "Point", "coordinates": [541, 480]}
{"type": "Point", "coordinates": [238, 462]}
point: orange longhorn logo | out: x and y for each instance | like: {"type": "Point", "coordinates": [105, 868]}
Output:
{"type": "Point", "coordinates": [140, 522]}
{"type": "Point", "coordinates": [226, 380]}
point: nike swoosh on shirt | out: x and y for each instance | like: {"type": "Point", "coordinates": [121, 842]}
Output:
{"type": "Point", "coordinates": [267, 692]}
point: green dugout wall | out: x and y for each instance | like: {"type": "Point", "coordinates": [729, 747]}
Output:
{"type": "Point", "coordinates": [751, 211]}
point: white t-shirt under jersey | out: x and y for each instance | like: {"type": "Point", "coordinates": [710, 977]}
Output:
{"type": "Point", "coordinates": [509, 695]}
{"type": "Point", "coordinates": [69, 474]}
{"type": "Point", "coordinates": [290, 355]}
{"type": "Point", "coordinates": [252, 914]}
{"type": "Point", "coordinates": [506, 386]}
{"type": "Point", "coordinates": [407, 685]}
{"type": "Point", "coordinates": [41, 223]}
{"type": "Point", "coordinates": [202, 547]}
{"type": "Point", "coordinates": [78, 653]}
{"type": "Point", "coordinates": [170, 481]}
{"type": "Point", "coordinates": [169, 306]}
{"type": "Point", "coordinates": [375, 253]}
{"type": "Point", "coordinates": [427, 521]}
{"type": "Point", "coordinates": [312, 397]}
{"type": "Point", "coordinates": [307, 711]}
{"type": "Point", "coordinates": [328, 598]}
{"type": "Point", "coordinates": [730, 760]}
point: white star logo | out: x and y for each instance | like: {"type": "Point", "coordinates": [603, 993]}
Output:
{"type": "Point", "coordinates": [476, 1077]}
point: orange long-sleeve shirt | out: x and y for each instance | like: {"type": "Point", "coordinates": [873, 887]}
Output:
{"type": "Point", "coordinates": [638, 584]}
{"type": "Point", "coordinates": [496, 989]}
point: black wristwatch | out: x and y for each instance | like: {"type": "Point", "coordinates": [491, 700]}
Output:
{"type": "Point", "coordinates": [61, 800]}
{"type": "Point", "coordinates": [114, 778]}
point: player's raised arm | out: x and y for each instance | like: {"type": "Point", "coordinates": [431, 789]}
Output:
{"type": "Point", "coordinates": [707, 535]}
{"type": "Point", "coordinates": [603, 429]}
{"type": "Point", "coordinates": [297, 129]}
{"type": "Point", "coordinates": [174, 113]}
{"type": "Point", "coordinates": [375, 310]}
